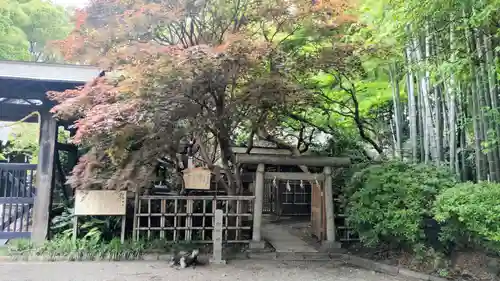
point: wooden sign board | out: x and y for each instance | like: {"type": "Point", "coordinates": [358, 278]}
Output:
{"type": "Point", "coordinates": [197, 178]}
{"type": "Point", "coordinates": [100, 203]}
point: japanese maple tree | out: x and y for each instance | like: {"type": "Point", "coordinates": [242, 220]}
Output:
{"type": "Point", "coordinates": [177, 70]}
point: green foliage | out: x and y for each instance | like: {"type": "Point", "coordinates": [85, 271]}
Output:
{"type": "Point", "coordinates": [89, 247]}
{"type": "Point", "coordinates": [389, 202]}
{"type": "Point", "coordinates": [105, 227]}
{"type": "Point", "coordinates": [23, 139]}
{"type": "Point", "coordinates": [471, 210]}
{"type": "Point", "coordinates": [27, 26]}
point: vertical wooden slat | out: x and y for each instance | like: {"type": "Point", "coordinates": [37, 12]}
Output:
{"type": "Point", "coordinates": [162, 219]}
{"type": "Point", "coordinates": [191, 211]}
{"type": "Point", "coordinates": [22, 193]}
{"type": "Point", "coordinates": [214, 207]}
{"type": "Point", "coordinates": [30, 194]}
{"type": "Point", "coordinates": [238, 212]}
{"type": "Point", "coordinates": [189, 224]}
{"type": "Point", "coordinates": [5, 182]}
{"type": "Point", "coordinates": [135, 223]}
{"type": "Point", "coordinates": [149, 219]}
{"type": "Point", "coordinates": [2, 178]}
{"type": "Point", "coordinates": [15, 193]}
{"type": "Point", "coordinates": [175, 220]}
{"type": "Point", "coordinates": [32, 176]}
{"type": "Point", "coordinates": [227, 219]}
{"type": "Point", "coordinates": [21, 228]}
{"type": "Point", "coordinates": [139, 221]}
{"type": "Point", "coordinates": [9, 194]}
{"type": "Point", "coordinates": [204, 219]}
{"type": "Point", "coordinates": [16, 217]}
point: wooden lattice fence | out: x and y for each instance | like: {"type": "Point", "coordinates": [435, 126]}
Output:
{"type": "Point", "coordinates": [191, 218]}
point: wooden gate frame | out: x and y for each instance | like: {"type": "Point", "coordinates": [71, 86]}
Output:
{"type": "Point", "coordinates": [318, 214]}
{"type": "Point", "coordinates": [327, 162]}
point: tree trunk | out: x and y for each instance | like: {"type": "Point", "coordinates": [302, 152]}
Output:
{"type": "Point", "coordinates": [396, 98]}
{"type": "Point", "coordinates": [412, 106]}
{"type": "Point", "coordinates": [492, 89]}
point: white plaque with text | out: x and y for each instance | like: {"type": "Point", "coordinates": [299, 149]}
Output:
{"type": "Point", "coordinates": [100, 203]}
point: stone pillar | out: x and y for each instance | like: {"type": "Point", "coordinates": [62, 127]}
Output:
{"type": "Point", "coordinates": [44, 178]}
{"type": "Point", "coordinates": [257, 208]}
{"type": "Point", "coordinates": [330, 211]}
{"type": "Point", "coordinates": [217, 238]}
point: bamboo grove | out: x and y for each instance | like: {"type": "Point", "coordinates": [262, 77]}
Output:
{"type": "Point", "coordinates": [444, 80]}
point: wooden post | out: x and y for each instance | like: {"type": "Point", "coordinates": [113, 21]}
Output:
{"type": "Point", "coordinates": [329, 210]}
{"type": "Point", "coordinates": [72, 157]}
{"type": "Point", "coordinates": [75, 228]}
{"type": "Point", "coordinates": [189, 220]}
{"type": "Point", "coordinates": [122, 234]}
{"type": "Point", "coordinates": [135, 222]}
{"type": "Point", "coordinates": [44, 178]}
{"type": "Point", "coordinates": [257, 207]}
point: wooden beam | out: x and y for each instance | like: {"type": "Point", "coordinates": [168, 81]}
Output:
{"type": "Point", "coordinates": [13, 112]}
{"type": "Point", "coordinates": [315, 161]}
{"type": "Point", "coordinates": [262, 150]}
{"type": "Point", "coordinates": [26, 89]}
{"type": "Point", "coordinates": [44, 178]}
{"type": "Point", "coordinates": [294, 176]}
{"type": "Point", "coordinates": [66, 147]}
{"type": "Point", "coordinates": [47, 71]}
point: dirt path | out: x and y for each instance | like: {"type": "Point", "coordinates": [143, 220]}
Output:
{"type": "Point", "coordinates": [159, 271]}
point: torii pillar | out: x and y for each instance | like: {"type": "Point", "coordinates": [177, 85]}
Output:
{"type": "Point", "coordinates": [44, 178]}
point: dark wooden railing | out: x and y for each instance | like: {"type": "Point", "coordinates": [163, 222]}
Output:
{"type": "Point", "coordinates": [17, 196]}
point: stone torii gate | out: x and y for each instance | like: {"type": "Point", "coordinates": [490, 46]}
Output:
{"type": "Point", "coordinates": [23, 88]}
{"type": "Point", "coordinates": [265, 159]}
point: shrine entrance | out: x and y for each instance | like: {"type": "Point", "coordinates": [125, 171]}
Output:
{"type": "Point", "coordinates": [287, 197]}
{"type": "Point", "coordinates": [26, 189]}
{"type": "Point", "coordinates": [297, 197]}
{"type": "Point", "coordinates": [306, 193]}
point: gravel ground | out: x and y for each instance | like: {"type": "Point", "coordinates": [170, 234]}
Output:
{"type": "Point", "coordinates": [160, 271]}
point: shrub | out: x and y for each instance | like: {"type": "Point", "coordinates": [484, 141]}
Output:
{"type": "Point", "coordinates": [91, 247]}
{"type": "Point", "coordinates": [63, 247]}
{"type": "Point", "coordinates": [391, 202]}
{"type": "Point", "coordinates": [471, 211]}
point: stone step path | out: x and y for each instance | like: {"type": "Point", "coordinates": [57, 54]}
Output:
{"type": "Point", "coordinates": [283, 241]}
{"type": "Point", "coordinates": [295, 256]}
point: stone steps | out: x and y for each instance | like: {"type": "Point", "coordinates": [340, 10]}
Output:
{"type": "Point", "coordinates": [293, 256]}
